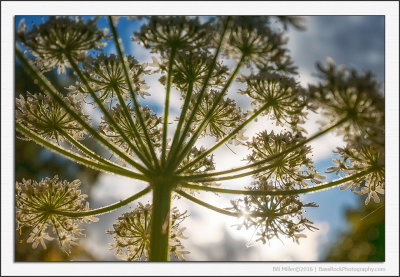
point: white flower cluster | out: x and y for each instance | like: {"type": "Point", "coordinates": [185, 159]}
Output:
{"type": "Point", "coordinates": [105, 75]}
{"type": "Point", "coordinates": [132, 234]}
{"type": "Point", "coordinates": [40, 206]}
{"type": "Point", "coordinates": [192, 67]}
{"type": "Point", "coordinates": [346, 93]}
{"type": "Point", "coordinates": [253, 38]}
{"type": "Point", "coordinates": [45, 116]}
{"type": "Point", "coordinates": [51, 41]}
{"type": "Point", "coordinates": [285, 99]}
{"type": "Point", "coordinates": [163, 33]}
{"type": "Point", "coordinates": [273, 216]}
{"type": "Point", "coordinates": [290, 170]}
{"type": "Point", "coordinates": [356, 158]}
{"type": "Point", "coordinates": [225, 118]}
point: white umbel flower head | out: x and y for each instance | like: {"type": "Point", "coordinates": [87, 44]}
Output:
{"type": "Point", "coordinates": [45, 116]}
{"type": "Point", "coordinates": [358, 158]}
{"type": "Point", "coordinates": [132, 234]}
{"type": "Point", "coordinates": [51, 41]}
{"type": "Point", "coordinates": [43, 206]}
{"type": "Point", "coordinates": [105, 75]}
{"type": "Point", "coordinates": [273, 216]}
{"type": "Point", "coordinates": [290, 170]}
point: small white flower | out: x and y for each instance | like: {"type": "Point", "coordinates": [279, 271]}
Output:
{"type": "Point", "coordinates": [372, 192]}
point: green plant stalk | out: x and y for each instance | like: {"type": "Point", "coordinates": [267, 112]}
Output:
{"type": "Point", "coordinates": [281, 192]}
{"type": "Point", "coordinates": [193, 113]}
{"type": "Point", "coordinates": [225, 139]}
{"type": "Point", "coordinates": [272, 157]}
{"type": "Point", "coordinates": [204, 204]}
{"type": "Point", "coordinates": [224, 178]}
{"type": "Point", "coordinates": [229, 213]}
{"type": "Point", "coordinates": [84, 149]}
{"type": "Point", "coordinates": [129, 117]}
{"type": "Point", "coordinates": [135, 102]}
{"type": "Point", "coordinates": [203, 124]}
{"type": "Point", "coordinates": [105, 209]}
{"type": "Point", "coordinates": [105, 112]}
{"type": "Point", "coordinates": [112, 168]}
{"type": "Point", "coordinates": [46, 85]}
{"type": "Point", "coordinates": [181, 119]}
{"type": "Point", "coordinates": [160, 223]}
{"type": "Point", "coordinates": [166, 107]}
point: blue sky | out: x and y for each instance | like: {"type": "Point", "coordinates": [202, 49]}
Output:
{"type": "Point", "coordinates": [355, 41]}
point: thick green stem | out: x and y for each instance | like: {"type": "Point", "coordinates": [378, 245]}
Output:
{"type": "Point", "coordinates": [282, 192]}
{"type": "Point", "coordinates": [160, 223]}
{"type": "Point", "coordinates": [105, 209]}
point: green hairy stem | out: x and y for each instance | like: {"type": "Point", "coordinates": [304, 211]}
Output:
{"type": "Point", "coordinates": [135, 102]}
{"type": "Point", "coordinates": [105, 209]}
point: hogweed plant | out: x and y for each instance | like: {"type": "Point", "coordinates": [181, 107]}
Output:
{"type": "Point", "coordinates": [189, 54]}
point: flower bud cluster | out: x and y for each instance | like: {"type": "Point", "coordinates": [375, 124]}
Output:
{"type": "Point", "coordinates": [163, 33]}
{"type": "Point", "coordinates": [192, 67]}
{"type": "Point", "coordinates": [345, 93]}
{"type": "Point", "coordinates": [285, 98]}
{"type": "Point", "coordinates": [253, 38]}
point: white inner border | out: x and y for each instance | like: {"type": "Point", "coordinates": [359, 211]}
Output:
{"type": "Point", "coordinates": [9, 9]}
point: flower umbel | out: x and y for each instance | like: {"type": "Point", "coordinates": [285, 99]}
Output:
{"type": "Point", "coordinates": [151, 121]}
{"type": "Point", "coordinates": [356, 158]}
{"type": "Point", "coordinates": [290, 170]}
{"type": "Point", "coordinates": [43, 115]}
{"type": "Point", "coordinates": [345, 92]}
{"type": "Point", "coordinates": [105, 75]}
{"type": "Point", "coordinates": [40, 206]}
{"type": "Point", "coordinates": [132, 234]}
{"type": "Point", "coordinates": [226, 116]}
{"type": "Point", "coordinates": [284, 98]}
{"type": "Point", "coordinates": [273, 216]}
{"type": "Point", "coordinates": [51, 41]}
